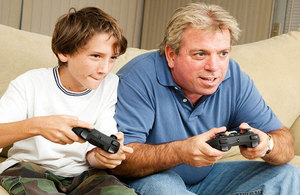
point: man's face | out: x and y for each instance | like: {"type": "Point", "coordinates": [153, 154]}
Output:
{"type": "Point", "coordinates": [201, 63]}
{"type": "Point", "coordinates": [89, 65]}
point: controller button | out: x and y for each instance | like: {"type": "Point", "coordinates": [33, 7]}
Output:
{"type": "Point", "coordinates": [111, 150]}
{"type": "Point", "coordinates": [115, 143]}
{"type": "Point", "coordinates": [84, 134]}
{"type": "Point", "coordinates": [253, 137]}
{"type": "Point", "coordinates": [254, 144]}
{"type": "Point", "coordinates": [224, 148]}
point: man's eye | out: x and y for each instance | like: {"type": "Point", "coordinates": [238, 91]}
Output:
{"type": "Point", "coordinates": [225, 53]}
{"type": "Point", "coordinates": [200, 54]}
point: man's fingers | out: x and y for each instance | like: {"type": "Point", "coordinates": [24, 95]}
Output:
{"type": "Point", "coordinates": [244, 126]}
{"type": "Point", "coordinates": [215, 131]}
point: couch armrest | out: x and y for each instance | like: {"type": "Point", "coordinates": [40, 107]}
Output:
{"type": "Point", "coordinates": [295, 130]}
{"type": "Point", "coordinates": [3, 191]}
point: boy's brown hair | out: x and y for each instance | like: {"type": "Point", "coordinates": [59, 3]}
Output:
{"type": "Point", "coordinates": [74, 29]}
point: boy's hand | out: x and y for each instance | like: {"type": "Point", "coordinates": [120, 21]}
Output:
{"type": "Point", "coordinates": [104, 159]}
{"type": "Point", "coordinates": [58, 128]}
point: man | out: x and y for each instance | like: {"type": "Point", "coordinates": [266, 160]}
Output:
{"type": "Point", "coordinates": [170, 103]}
{"type": "Point", "coordinates": [40, 108]}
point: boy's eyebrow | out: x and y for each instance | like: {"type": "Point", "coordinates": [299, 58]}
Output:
{"type": "Point", "coordinates": [103, 54]}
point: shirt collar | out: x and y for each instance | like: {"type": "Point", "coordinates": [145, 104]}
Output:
{"type": "Point", "coordinates": [163, 72]}
{"type": "Point", "coordinates": [63, 89]}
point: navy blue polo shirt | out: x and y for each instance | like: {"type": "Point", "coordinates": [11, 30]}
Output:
{"type": "Point", "coordinates": [152, 109]}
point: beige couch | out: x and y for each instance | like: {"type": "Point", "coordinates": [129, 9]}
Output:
{"type": "Point", "coordinates": [273, 64]}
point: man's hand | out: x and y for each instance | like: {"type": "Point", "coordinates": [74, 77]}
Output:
{"type": "Point", "coordinates": [98, 158]}
{"type": "Point", "coordinates": [196, 152]}
{"type": "Point", "coordinates": [282, 152]}
{"type": "Point", "coordinates": [258, 151]}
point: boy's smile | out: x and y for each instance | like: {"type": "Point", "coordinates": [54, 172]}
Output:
{"type": "Point", "coordinates": [87, 67]}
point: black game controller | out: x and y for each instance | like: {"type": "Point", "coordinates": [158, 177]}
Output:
{"type": "Point", "coordinates": [223, 141]}
{"type": "Point", "coordinates": [95, 137]}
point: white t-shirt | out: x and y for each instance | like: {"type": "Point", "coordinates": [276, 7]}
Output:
{"type": "Point", "coordinates": [39, 93]}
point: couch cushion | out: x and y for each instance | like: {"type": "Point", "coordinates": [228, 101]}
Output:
{"type": "Point", "coordinates": [129, 55]}
{"type": "Point", "coordinates": [274, 66]}
{"type": "Point", "coordinates": [295, 129]}
{"type": "Point", "coordinates": [21, 51]}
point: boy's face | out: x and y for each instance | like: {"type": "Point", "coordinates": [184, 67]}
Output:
{"type": "Point", "coordinates": [89, 65]}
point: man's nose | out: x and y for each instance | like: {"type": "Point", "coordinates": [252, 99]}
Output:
{"type": "Point", "coordinates": [211, 63]}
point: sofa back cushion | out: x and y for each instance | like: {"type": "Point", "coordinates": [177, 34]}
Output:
{"type": "Point", "coordinates": [274, 66]}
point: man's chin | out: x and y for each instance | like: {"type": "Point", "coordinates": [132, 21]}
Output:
{"type": "Point", "coordinates": [209, 91]}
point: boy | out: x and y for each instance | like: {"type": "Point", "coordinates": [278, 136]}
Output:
{"type": "Point", "coordinates": [40, 108]}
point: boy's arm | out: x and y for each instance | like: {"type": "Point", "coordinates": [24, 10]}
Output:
{"type": "Point", "coordinates": [56, 128]}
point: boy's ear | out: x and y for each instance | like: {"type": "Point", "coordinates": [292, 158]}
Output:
{"type": "Point", "coordinates": [62, 57]}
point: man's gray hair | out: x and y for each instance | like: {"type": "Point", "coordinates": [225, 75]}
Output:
{"type": "Point", "coordinates": [200, 16]}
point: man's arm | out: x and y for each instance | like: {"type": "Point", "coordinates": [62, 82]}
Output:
{"type": "Point", "coordinates": [283, 150]}
{"type": "Point", "coordinates": [148, 159]}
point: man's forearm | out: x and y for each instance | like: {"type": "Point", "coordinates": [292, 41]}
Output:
{"type": "Point", "coordinates": [283, 150]}
{"type": "Point", "coordinates": [147, 159]}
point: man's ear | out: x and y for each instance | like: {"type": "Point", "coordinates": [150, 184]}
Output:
{"type": "Point", "coordinates": [63, 57]}
{"type": "Point", "coordinates": [170, 54]}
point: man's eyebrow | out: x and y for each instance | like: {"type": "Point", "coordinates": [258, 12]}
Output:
{"type": "Point", "coordinates": [198, 50]}
{"type": "Point", "coordinates": [227, 49]}
{"type": "Point", "coordinates": [204, 50]}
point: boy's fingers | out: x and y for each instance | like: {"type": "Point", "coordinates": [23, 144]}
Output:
{"type": "Point", "coordinates": [127, 149]}
{"type": "Point", "coordinates": [79, 123]}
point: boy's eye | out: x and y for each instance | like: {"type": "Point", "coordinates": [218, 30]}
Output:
{"type": "Point", "coordinates": [114, 57]}
{"type": "Point", "coordinates": [96, 56]}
